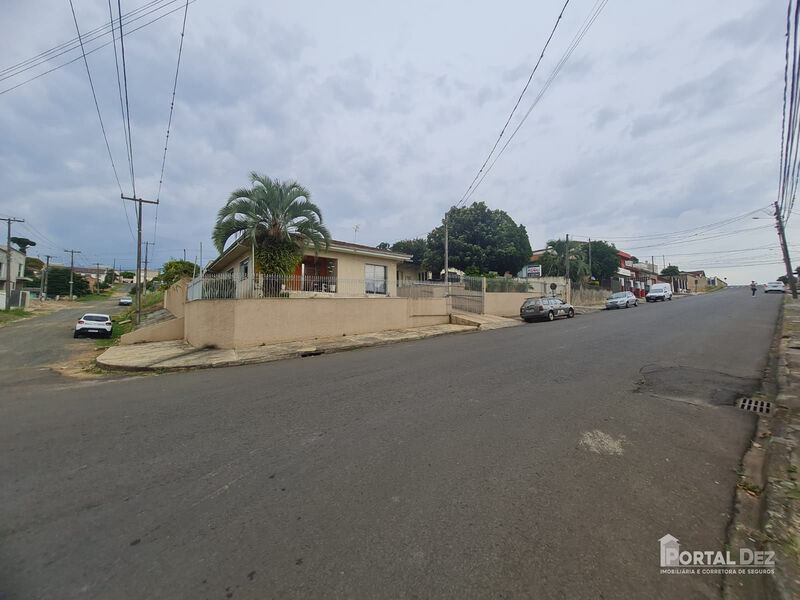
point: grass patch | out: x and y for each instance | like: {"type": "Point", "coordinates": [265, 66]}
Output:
{"type": "Point", "coordinates": [149, 304]}
{"type": "Point", "coordinates": [15, 314]}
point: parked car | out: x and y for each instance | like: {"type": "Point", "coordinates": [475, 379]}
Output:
{"type": "Point", "coordinates": [775, 286]}
{"type": "Point", "coordinates": [125, 301]}
{"type": "Point", "coordinates": [622, 300]}
{"type": "Point", "coordinates": [659, 291]}
{"type": "Point", "coordinates": [93, 323]}
{"type": "Point", "coordinates": [545, 307]}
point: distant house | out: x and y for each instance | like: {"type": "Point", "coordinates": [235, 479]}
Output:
{"type": "Point", "coordinates": [18, 279]}
{"type": "Point", "coordinates": [343, 268]}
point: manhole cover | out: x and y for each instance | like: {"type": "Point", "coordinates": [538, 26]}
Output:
{"type": "Point", "coordinates": [756, 406]}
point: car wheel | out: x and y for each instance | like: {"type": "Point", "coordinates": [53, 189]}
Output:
{"type": "Point", "coordinates": [75, 334]}
{"type": "Point", "coordinates": [551, 316]}
{"type": "Point", "coordinates": [570, 313]}
{"type": "Point", "coordinates": [627, 304]}
{"type": "Point", "coordinates": [635, 303]}
{"type": "Point", "coordinates": [527, 320]}
{"type": "Point", "coordinates": [670, 298]}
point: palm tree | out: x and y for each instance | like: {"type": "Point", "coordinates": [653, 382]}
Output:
{"type": "Point", "coordinates": [279, 220]}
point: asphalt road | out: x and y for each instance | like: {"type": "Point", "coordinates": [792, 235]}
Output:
{"type": "Point", "coordinates": [30, 346]}
{"type": "Point", "coordinates": [542, 461]}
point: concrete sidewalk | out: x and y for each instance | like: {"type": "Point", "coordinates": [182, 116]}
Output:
{"type": "Point", "coordinates": [178, 355]}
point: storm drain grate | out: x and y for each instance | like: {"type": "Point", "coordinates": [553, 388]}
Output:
{"type": "Point", "coordinates": [756, 406]}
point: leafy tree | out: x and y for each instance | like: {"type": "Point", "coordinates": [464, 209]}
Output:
{"type": "Point", "coordinates": [32, 266]}
{"type": "Point", "coordinates": [605, 261]}
{"type": "Point", "coordinates": [552, 261]}
{"type": "Point", "coordinates": [480, 238]}
{"type": "Point", "coordinates": [22, 243]}
{"type": "Point", "coordinates": [416, 248]}
{"type": "Point", "coordinates": [127, 274]}
{"type": "Point", "coordinates": [110, 277]}
{"type": "Point", "coordinates": [58, 282]}
{"type": "Point", "coordinates": [384, 246]}
{"type": "Point", "coordinates": [174, 269]}
{"type": "Point", "coordinates": [278, 218]}
{"type": "Point", "coordinates": [671, 271]}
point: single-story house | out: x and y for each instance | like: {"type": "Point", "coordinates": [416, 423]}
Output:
{"type": "Point", "coordinates": [343, 269]}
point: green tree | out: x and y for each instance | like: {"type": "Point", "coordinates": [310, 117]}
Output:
{"type": "Point", "coordinates": [416, 248]}
{"type": "Point", "coordinates": [480, 239]}
{"type": "Point", "coordinates": [552, 260]}
{"type": "Point", "coordinates": [110, 277]}
{"type": "Point", "coordinates": [58, 282]}
{"type": "Point", "coordinates": [22, 243]}
{"type": "Point", "coordinates": [33, 266]}
{"type": "Point", "coordinates": [277, 218]}
{"type": "Point", "coordinates": [384, 246]}
{"type": "Point", "coordinates": [127, 274]}
{"type": "Point", "coordinates": [671, 271]}
{"type": "Point", "coordinates": [174, 269]}
{"type": "Point", "coordinates": [605, 260]}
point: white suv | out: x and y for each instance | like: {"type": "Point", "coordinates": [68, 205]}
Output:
{"type": "Point", "coordinates": [93, 323]}
{"type": "Point", "coordinates": [659, 291]}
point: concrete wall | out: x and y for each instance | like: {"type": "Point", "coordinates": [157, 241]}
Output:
{"type": "Point", "coordinates": [504, 304]}
{"type": "Point", "coordinates": [160, 332]}
{"type": "Point", "coordinates": [243, 323]}
{"type": "Point", "coordinates": [589, 296]}
{"type": "Point", "coordinates": [175, 297]}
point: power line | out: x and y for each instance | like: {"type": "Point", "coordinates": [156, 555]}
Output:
{"type": "Point", "coordinates": [593, 15]}
{"type": "Point", "coordinates": [94, 96]}
{"type": "Point", "coordinates": [516, 105]}
{"type": "Point", "coordinates": [169, 121]}
{"type": "Point", "coordinates": [92, 51]}
{"type": "Point", "coordinates": [127, 105]}
{"type": "Point", "coordinates": [122, 111]}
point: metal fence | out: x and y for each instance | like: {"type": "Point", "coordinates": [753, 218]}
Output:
{"type": "Point", "coordinates": [220, 286]}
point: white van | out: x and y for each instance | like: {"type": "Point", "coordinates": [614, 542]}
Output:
{"type": "Point", "coordinates": [659, 291]}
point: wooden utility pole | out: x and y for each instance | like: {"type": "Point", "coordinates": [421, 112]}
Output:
{"type": "Point", "coordinates": [71, 269]}
{"type": "Point", "coordinates": [43, 286]}
{"type": "Point", "coordinates": [590, 259]}
{"type": "Point", "coordinates": [786, 260]}
{"type": "Point", "coordinates": [139, 201]}
{"type": "Point", "coordinates": [566, 269]}
{"type": "Point", "coordinates": [146, 248]}
{"type": "Point", "coordinates": [9, 220]}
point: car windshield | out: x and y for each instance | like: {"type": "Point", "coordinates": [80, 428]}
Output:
{"type": "Point", "coordinates": [97, 318]}
{"type": "Point", "coordinates": [618, 295]}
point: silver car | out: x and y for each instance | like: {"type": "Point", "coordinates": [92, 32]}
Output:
{"type": "Point", "coordinates": [622, 300]}
{"type": "Point", "coordinates": [545, 307]}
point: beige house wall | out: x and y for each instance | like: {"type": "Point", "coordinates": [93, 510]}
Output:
{"type": "Point", "coordinates": [244, 323]}
{"type": "Point", "coordinates": [175, 297]}
{"type": "Point", "coordinates": [160, 332]}
{"type": "Point", "coordinates": [504, 304]}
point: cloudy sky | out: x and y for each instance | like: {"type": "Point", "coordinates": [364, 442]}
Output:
{"type": "Point", "coordinates": [665, 118]}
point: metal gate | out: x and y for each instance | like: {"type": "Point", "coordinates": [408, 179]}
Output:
{"type": "Point", "coordinates": [467, 295]}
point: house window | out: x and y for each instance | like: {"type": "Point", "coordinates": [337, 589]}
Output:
{"type": "Point", "coordinates": [375, 279]}
{"type": "Point", "coordinates": [244, 267]}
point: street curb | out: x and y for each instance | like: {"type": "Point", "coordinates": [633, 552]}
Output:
{"type": "Point", "coordinates": [303, 349]}
{"type": "Point", "coordinates": [768, 520]}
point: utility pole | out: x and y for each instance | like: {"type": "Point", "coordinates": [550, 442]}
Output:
{"type": "Point", "coordinates": [97, 291]}
{"type": "Point", "coordinates": [566, 269]}
{"type": "Point", "coordinates": [9, 220]}
{"type": "Point", "coordinates": [590, 259]}
{"type": "Point", "coordinates": [446, 248]}
{"type": "Point", "coordinates": [786, 260]}
{"type": "Point", "coordinates": [139, 201]}
{"type": "Point", "coordinates": [71, 269]}
{"type": "Point", "coordinates": [43, 285]}
{"type": "Point", "coordinates": [146, 248]}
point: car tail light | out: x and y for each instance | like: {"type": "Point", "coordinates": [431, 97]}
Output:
{"type": "Point", "coordinates": [108, 322]}
{"type": "Point", "coordinates": [80, 322]}
{"type": "Point", "coordinates": [541, 308]}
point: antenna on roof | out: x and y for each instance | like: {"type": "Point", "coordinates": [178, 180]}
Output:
{"type": "Point", "coordinates": [355, 232]}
